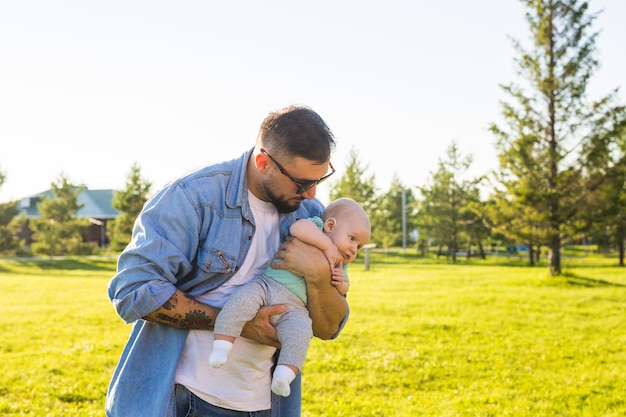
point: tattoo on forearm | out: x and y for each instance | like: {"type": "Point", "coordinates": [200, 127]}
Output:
{"type": "Point", "coordinates": [193, 300]}
{"type": "Point", "coordinates": [198, 320]}
{"type": "Point", "coordinates": [171, 303]}
{"type": "Point", "coordinates": [195, 318]}
{"type": "Point", "coordinates": [174, 320]}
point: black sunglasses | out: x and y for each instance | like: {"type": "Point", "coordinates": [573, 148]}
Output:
{"type": "Point", "coordinates": [303, 185]}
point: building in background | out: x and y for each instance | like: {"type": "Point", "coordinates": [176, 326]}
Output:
{"type": "Point", "coordinates": [95, 205]}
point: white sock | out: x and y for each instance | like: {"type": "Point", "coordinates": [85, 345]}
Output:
{"type": "Point", "coordinates": [283, 375]}
{"type": "Point", "coordinates": [219, 355]}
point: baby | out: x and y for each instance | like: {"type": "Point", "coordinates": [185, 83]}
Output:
{"type": "Point", "coordinates": [343, 229]}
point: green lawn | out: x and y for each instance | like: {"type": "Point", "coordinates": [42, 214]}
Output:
{"type": "Point", "coordinates": [425, 338]}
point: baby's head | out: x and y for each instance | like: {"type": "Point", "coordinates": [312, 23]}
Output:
{"type": "Point", "coordinates": [347, 225]}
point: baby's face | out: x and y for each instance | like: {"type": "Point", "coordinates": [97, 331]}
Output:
{"type": "Point", "coordinates": [349, 236]}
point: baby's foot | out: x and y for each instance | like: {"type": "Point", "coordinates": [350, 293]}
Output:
{"type": "Point", "coordinates": [219, 355]}
{"type": "Point", "coordinates": [283, 375]}
{"type": "Point", "coordinates": [217, 359]}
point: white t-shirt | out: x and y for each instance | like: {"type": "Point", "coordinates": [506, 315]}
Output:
{"type": "Point", "coordinates": [243, 383]}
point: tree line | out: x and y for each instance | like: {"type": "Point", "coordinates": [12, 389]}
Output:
{"type": "Point", "coordinates": [562, 155]}
{"type": "Point", "coordinates": [561, 176]}
{"type": "Point", "coordinates": [58, 231]}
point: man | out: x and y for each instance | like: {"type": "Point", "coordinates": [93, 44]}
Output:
{"type": "Point", "coordinates": [191, 247]}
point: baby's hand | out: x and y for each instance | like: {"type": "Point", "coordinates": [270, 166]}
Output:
{"type": "Point", "coordinates": [338, 280]}
{"type": "Point", "coordinates": [337, 276]}
{"type": "Point", "coordinates": [333, 256]}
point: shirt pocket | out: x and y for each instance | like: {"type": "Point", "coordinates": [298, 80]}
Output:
{"type": "Point", "coordinates": [216, 261]}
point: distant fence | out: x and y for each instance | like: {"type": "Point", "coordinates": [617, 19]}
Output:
{"type": "Point", "coordinates": [366, 249]}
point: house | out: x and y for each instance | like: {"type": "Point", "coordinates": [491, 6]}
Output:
{"type": "Point", "coordinates": [96, 207]}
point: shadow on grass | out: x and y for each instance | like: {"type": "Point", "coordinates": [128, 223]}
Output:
{"type": "Point", "coordinates": [399, 257]}
{"type": "Point", "coordinates": [395, 257]}
{"type": "Point", "coordinates": [89, 263]}
{"type": "Point", "coordinates": [574, 279]}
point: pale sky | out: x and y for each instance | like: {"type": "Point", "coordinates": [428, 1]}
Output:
{"type": "Point", "coordinates": [87, 88]}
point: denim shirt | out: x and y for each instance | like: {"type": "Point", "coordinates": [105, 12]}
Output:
{"type": "Point", "coordinates": [192, 235]}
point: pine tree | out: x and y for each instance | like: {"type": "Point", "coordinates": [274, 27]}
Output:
{"type": "Point", "coordinates": [129, 203]}
{"type": "Point", "coordinates": [445, 209]}
{"type": "Point", "coordinates": [10, 225]}
{"type": "Point", "coordinates": [549, 121]}
{"type": "Point", "coordinates": [390, 227]}
{"type": "Point", "coordinates": [59, 232]}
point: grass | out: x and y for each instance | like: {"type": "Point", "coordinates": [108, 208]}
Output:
{"type": "Point", "coordinates": [425, 338]}
{"type": "Point", "coordinates": [60, 337]}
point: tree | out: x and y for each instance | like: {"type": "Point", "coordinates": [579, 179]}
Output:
{"type": "Point", "coordinates": [445, 205]}
{"type": "Point", "coordinates": [478, 228]}
{"type": "Point", "coordinates": [605, 216]}
{"type": "Point", "coordinates": [129, 203]}
{"type": "Point", "coordinates": [549, 122]}
{"type": "Point", "coordinates": [390, 228]}
{"type": "Point", "coordinates": [10, 225]}
{"type": "Point", "coordinates": [58, 232]}
{"type": "Point", "coordinates": [517, 221]}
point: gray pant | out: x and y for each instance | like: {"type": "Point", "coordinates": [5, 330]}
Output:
{"type": "Point", "coordinates": [293, 327]}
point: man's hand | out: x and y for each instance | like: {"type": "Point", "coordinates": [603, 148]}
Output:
{"type": "Point", "coordinates": [260, 329]}
{"type": "Point", "coordinates": [302, 259]}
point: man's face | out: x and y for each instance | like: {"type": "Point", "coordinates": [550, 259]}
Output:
{"type": "Point", "coordinates": [281, 197]}
{"type": "Point", "coordinates": [281, 187]}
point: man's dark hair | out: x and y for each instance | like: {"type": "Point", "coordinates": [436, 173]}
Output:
{"type": "Point", "coordinates": [297, 131]}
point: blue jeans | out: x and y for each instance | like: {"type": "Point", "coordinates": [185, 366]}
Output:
{"type": "Point", "coordinates": [189, 405]}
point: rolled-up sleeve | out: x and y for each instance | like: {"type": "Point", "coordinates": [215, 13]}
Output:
{"type": "Point", "coordinates": [132, 305]}
{"type": "Point", "coordinates": [161, 250]}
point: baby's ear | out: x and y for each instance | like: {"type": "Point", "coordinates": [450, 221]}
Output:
{"type": "Point", "coordinates": [330, 224]}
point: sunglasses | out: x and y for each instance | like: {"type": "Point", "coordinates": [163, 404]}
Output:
{"type": "Point", "coordinates": [303, 185]}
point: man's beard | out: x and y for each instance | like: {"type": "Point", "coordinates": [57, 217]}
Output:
{"type": "Point", "coordinates": [282, 205]}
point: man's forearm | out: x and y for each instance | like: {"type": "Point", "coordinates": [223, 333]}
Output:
{"type": "Point", "coordinates": [184, 312]}
{"type": "Point", "coordinates": [327, 308]}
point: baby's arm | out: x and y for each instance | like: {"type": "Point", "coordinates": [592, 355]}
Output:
{"type": "Point", "coordinates": [308, 232]}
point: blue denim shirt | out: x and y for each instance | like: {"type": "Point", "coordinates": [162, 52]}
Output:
{"type": "Point", "coordinates": [191, 235]}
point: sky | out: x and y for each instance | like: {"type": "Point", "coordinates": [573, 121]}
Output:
{"type": "Point", "coordinates": [89, 88]}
